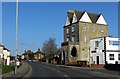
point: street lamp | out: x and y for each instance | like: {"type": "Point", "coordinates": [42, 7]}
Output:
{"type": "Point", "coordinates": [16, 36]}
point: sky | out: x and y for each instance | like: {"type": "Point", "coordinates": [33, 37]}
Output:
{"type": "Point", "coordinates": [38, 21]}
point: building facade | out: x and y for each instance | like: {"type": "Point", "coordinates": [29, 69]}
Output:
{"type": "Point", "coordinates": [105, 51]}
{"type": "Point", "coordinates": [79, 28]}
{"type": "Point", "coordinates": [4, 55]}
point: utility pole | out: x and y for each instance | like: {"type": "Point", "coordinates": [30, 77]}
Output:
{"type": "Point", "coordinates": [16, 36]}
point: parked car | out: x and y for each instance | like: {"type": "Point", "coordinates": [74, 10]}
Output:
{"type": "Point", "coordinates": [30, 60]}
{"type": "Point", "coordinates": [34, 60]}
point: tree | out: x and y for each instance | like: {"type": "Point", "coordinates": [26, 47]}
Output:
{"type": "Point", "coordinates": [30, 54]}
{"type": "Point", "coordinates": [49, 47]}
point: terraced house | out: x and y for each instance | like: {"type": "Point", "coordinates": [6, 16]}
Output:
{"type": "Point", "coordinates": [79, 28]}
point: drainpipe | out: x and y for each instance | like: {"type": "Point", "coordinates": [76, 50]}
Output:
{"type": "Point", "coordinates": [89, 58]}
{"type": "Point", "coordinates": [105, 49]}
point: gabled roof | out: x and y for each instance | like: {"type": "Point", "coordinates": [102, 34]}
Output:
{"type": "Point", "coordinates": [5, 49]}
{"type": "Point", "coordinates": [1, 45]}
{"type": "Point", "coordinates": [93, 17]}
{"type": "Point", "coordinates": [79, 14]}
{"type": "Point", "coordinates": [70, 15]}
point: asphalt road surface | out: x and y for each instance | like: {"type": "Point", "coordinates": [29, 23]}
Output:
{"type": "Point", "coordinates": [41, 70]}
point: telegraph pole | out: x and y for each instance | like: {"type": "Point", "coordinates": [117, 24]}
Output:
{"type": "Point", "coordinates": [16, 50]}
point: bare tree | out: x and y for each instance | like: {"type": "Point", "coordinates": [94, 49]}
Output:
{"type": "Point", "coordinates": [50, 47]}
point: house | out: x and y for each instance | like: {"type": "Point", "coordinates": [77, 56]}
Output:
{"type": "Point", "coordinates": [6, 56]}
{"type": "Point", "coordinates": [79, 28]}
{"type": "Point", "coordinates": [1, 51]}
{"type": "Point", "coordinates": [38, 55]}
{"type": "Point", "coordinates": [104, 50]}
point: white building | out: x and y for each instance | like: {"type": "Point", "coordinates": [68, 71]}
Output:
{"type": "Point", "coordinates": [1, 51]}
{"type": "Point", "coordinates": [4, 55]}
{"type": "Point", "coordinates": [105, 49]}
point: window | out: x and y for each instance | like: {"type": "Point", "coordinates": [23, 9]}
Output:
{"type": "Point", "coordinates": [73, 28]}
{"type": "Point", "coordinates": [67, 30]}
{"type": "Point", "coordinates": [85, 27]}
{"type": "Point", "coordinates": [85, 40]}
{"type": "Point", "coordinates": [96, 43]}
{"type": "Point", "coordinates": [110, 42]}
{"type": "Point", "coordinates": [67, 39]}
{"type": "Point", "coordinates": [111, 56]}
{"type": "Point", "coordinates": [116, 43]}
{"type": "Point", "coordinates": [73, 38]}
{"type": "Point", "coordinates": [102, 29]}
{"type": "Point", "coordinates": [118, 56]}
{"type": "Point", "coordinates": [94, 28]}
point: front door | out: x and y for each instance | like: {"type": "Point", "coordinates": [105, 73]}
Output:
{"type": "Point", "coordinates": [97, 59]}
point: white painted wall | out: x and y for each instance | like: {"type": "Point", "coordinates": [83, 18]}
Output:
{"type": "Point", "coordinates": [5, 54]}
{"type": "Point", "coordinates": [108, 47]}
{"type": "Point", "coordinates": [98, 51]}
{"type": "Point", "coordinates": [1, 51]}
{"type": "Point", "coordinates": [85, 18]}
{"type": "Point", "coordinates": [112, 47]}
{"type": "Point", "coordinates": [67, 22]}
{"type": "Point", "coordinates": [101, 20]}
{"type": "Point", "coordinates": [115, 57]}
{"type": "Point", "coordinates": [74, 18]}
{"type": "Point", "coordinates": [8, 60]}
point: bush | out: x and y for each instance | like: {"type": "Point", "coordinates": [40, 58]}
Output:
{"type": "Point", "coordinates": [6, 68]}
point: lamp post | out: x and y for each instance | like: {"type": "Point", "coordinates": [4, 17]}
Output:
{"type": "Point", "coordinates": [16, 50]}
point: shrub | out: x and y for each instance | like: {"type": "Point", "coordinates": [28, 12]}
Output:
{"type": "Point", "coordinates": [6, 68]}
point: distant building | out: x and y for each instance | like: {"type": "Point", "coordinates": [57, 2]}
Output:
{"type": "Point", "coordinates": [79, 28]}
{"type": "Point", "coordinates": [104, 50]}
{"type": "Point", "coordinates": [38, 55]}
{"type": "Point", "coordinates": [1, 51]}
{"type": "Point", "coordinates": [4, 55]}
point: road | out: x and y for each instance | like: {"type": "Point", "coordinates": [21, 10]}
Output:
{"type": "Point", "coordinates": [42, 70]}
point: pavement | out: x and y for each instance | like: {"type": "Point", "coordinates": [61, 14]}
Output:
{"type": "Point", "coordinates": [95, 70]}
{"type": "Point", "coordinates": [24, 71]}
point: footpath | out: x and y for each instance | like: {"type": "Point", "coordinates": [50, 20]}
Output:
{"type": "Point", "coordinates": [23, 72]}
{"type": "Point", "coordinates": [98, 71]}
